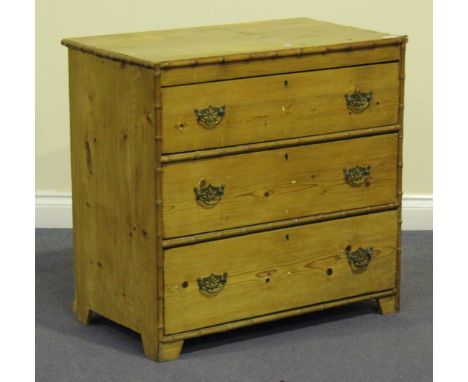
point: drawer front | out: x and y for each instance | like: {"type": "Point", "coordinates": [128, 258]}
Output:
{"type": "Point", "coordinates": [227, 113]}
{"type": "Point", "coordinates": [231, 279]}
{"type": "Point", "coordinates": [218, 193]}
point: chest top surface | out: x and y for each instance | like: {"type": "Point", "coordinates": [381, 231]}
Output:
{"type": "Point", "coordinates": [177, 45]}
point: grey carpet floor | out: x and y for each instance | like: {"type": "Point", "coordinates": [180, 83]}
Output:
{"type": "Point", "coordinates": [351, 343]}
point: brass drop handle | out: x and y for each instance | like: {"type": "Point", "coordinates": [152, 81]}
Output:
{"type": "Point", "coordinates": [211, 116]}
{"type": "Point", "coordinates": [358, 101]}
{"type": "Point", "coordinates": [360, 258]}
{"type": "Point", "coordinates": [208, 195]}
{"type": "Point", "coordinates": [357, 175]}
{"type": "Point", "coordinates": [212, 284]}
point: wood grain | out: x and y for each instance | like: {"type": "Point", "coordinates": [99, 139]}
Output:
{"type": "Point", "coordinates": [287, 215]}
{"type": "Point", "coordinates": [281, 269]}
{"type": "Point", "coordinates": [279, 143]}
{"type": "Point", "coordinates": [400, 168]}
{"type": "Point", "coordinates": [267, 66]}
{"type": "Point", "coordinates": [114, 220]}
{"type": "Point", "coordinates": [277, 107]}
{"type": "Point", "coordinates": [274, 316]}
{"type": "Point", "coordinates": [278, 184]}
{"type": "Point", "coordinates": [239, 231]}
{"type": "Point", "coordinates": [245, 39]}
{"type": "Point", "coordinates": [387, 305]}
{"type": "Point", "coordinates": [170, 350]}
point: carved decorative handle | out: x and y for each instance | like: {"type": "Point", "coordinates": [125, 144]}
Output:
{"type": "Point", "coordinates": [357, 175]}
{"type": "Point", "coordinates": [360, 258]}
{"type": "Point", "coordinates": [211, 116]}
{"type": "Point", "coordinates": [358, 101]}
{"type": "Point", "coordinates": [208, 195]}
{"type": "Point", "coordinates": [212, 284]}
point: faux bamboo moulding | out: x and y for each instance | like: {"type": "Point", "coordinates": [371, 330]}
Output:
{"type": "Point", "coordinates": [231, 175]}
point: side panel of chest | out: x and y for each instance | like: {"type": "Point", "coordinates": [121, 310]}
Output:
{"type": "Point", "coordinates": [113, 179]}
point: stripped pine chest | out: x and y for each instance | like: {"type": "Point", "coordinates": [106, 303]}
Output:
{"type": "Point", "coordinates": [231, 175]}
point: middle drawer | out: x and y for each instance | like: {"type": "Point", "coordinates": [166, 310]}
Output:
{"type": "Point", "coordinates": [233, 191]}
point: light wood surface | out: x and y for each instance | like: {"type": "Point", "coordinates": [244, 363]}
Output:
{"type": "Point", "coordinates": [170, 351]}
{"type": "Point", "coordinates": [387, 305]}
{"type": "Point", "coordinates": [82, 312]}
{"type": "Point", "coordinates": [279, 270]}
{"type": "Point", "coordinates": [277, 107]}
{"type": "Point", "coordinates": [246, 230]}
{"type": "Point", "coordinates": [157, 351]}
{"type": "Point", "coordinates": [273, 316]}
{"type": "Point", "coordinates": [400, 168]}
{"type": "Point", "coordinates": [287, 216]}
{"type": "Point", "coordinates": [280, 143]}
{"type": "Point", "coordinates": [150, 343]}
{"type": "Point", "coordinates": [288, 64]}
{"type": "Point", "coordinates": [225, 40]}
{"type": "Point", "coordinates": [114, 220]}
{"type": "Point", "coordinates": [278, 184]}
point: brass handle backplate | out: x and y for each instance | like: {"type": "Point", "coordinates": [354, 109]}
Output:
{"type": "Point", "coordinates": [212, 284]}
{"type": "Point", "coordinates": [360, 258]}
{"type": "Point", "coordinates": [356, 176]}
{"type": "Point", "coordinates": [208, 195]}
{"type": "Point", "coordinates": [211, 116]}
{"type": "Point", "coordinates": [358, 101]}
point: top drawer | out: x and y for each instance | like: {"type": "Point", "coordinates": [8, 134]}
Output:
{"type": "Point", "coordinates": [227, 113]}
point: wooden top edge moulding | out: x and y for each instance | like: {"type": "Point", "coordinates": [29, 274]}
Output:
{"type": "Point", "coordinates": [231, 43]}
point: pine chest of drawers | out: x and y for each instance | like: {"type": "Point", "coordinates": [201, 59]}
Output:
{"type": "Point", "coordinates": [231, 175]}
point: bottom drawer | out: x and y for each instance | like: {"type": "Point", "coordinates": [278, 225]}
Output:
{"type": "Point", "coordinates": [231, 279]}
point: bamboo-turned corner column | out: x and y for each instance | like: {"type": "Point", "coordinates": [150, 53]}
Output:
{"type": "Point", "coordinates": [150, 341]}
{"type": "Point", "coordinates": [153, 346]}
{"type": "Point", "coordinates": [391, 304]}
{"type": "Point", "coordinates": [400, 167]}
